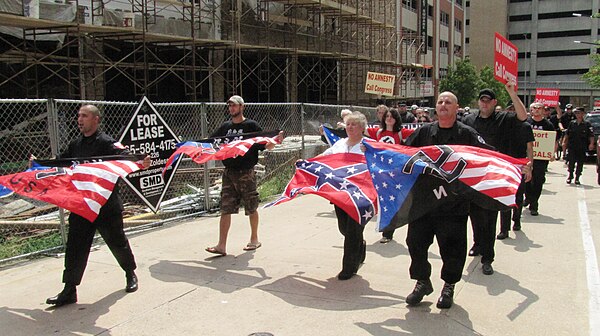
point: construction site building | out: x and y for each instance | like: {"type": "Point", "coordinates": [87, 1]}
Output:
{"type": "Point", "coordinates": [315, 51]}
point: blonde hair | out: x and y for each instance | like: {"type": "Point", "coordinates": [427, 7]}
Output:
{"type": "Point", "coordinates": [358, 118]}
{"type": "Point", "coordinates": [344, 113]}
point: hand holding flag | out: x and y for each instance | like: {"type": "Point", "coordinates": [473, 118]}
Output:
{"type": "Point", "coordinates": [413, 181]}
{"type": "Point", "coordinates": [82, 189]}
{"type": "Point", "coordinates": [343, 179]}
{"type": "Point", "coordinates": [222, 148]}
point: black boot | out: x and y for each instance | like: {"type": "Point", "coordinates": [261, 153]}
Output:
{"type": "Point", "coordinates": [363, 251]}
{"type": "Point", "coordinates": [447, 298]}
{"type": "Point", "coordinates": [67, 296]}
{"type": "Point", "coordinates": [132, 282]}
{"type": "Point", "coordinates": [422, 288]}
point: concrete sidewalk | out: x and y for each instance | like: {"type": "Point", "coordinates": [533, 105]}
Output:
{"type": "Point", "coordinates": [289, 285]}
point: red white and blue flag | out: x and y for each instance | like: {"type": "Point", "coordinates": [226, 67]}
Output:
{"type": "Point", "coordinates": [343, 179]}
{"type": "Point", "coordinates": [413, 181]}
{"type": "Point", "coordinates": [82, 189]}
{"type": "Point", "coordinates": [220, 148]}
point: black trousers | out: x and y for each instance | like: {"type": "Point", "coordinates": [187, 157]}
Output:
{"type": "Point", "coordinates": [483, 222]}
{"type": "Point", "coordinates": [354, 246]}
{"type": "Point", "coordinates": [535, 186]}
{"type": "Point", "coordinates": [81, 236]}
{"type": "Point", "coordinates": [576, 156]}
{"type": "Point", "coordinates": [515, 212]}
{"type": "Point", "coordinates": [451, 235]}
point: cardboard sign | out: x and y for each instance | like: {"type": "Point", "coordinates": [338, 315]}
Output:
{"type": "Point", "coordinates": [543, 146]}
{"type": "Point", "coordinates": [147, 133]}
{"type": "Point", "coordinates": [506, 60]}
{"type": "Point", "coordinates": [548, 97]}
{"type": "Point", "coordinates": [380, 84]}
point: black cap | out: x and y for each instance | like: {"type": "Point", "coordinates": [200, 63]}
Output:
{"type": "Point", "coordinates": [487, 93]}
{"type": "Point", "coordinates": [569, 106]}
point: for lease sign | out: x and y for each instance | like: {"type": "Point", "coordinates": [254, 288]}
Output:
{"type": "Point", "coordinates": [506, 60]}
{"type": "Point", "coordinates": [380, 84]}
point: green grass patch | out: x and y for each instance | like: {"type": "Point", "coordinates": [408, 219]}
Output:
{"type": "Point", "coordinates": [276, 184]}
{"type": "Point", "coordinates": [11, 246]}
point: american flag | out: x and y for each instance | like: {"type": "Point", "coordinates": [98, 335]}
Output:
{"type": "Point", "coordinates": [82, 189]}
{"type": "Point", "coordinates": [205, 150]}
{"type": "Point", "coordinates": [197, 151]}
{"type": "Point", "coordinates": [412, 181]}
{"type": "Point", "coordinates": [342, 179]}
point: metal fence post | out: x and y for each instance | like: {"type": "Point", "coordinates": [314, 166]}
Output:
{"type": "Point", "coordinates": [203, 129]}
{"type": "Point", "coordinates": [302, 130]}
{"type": "Point", "coordinates": [53, 134]}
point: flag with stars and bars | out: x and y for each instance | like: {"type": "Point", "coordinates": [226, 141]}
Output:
{"type": "Point", "coordinates": [413, 181]}
{"type": "Point", "coordinates": [343, 179]}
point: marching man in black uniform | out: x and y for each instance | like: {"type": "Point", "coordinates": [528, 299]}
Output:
{"type": "Point", "coordinates": [109, 223]}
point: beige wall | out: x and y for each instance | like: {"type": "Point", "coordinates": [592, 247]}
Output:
{"type": "Point", "coordinates": [486, 18]}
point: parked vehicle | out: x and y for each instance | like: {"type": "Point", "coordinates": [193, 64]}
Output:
{"type": "Point", "coordinates": [594, 119]}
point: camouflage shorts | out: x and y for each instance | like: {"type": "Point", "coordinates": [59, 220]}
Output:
{"type": "Point", "coordinates": [239, 186]}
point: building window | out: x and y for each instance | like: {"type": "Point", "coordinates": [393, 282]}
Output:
{"type": "Point", "coordinates": [516, 18]}
{"type": "Point", "coordinates": [459, 3]}
{"type": "Point", "coordinates": [429, 42]}
{"type": "Point", "coordinates": [467, 22]}
{"type": "Point", "coordinates": [430, 11]}
{"type": "Point", "coordinates": [467, 40]}
{"type": "Point", "coordinates": [457, 51]}
{"type": "Point", "coordinates": [444, 18]}
{"type": "Point", "coordinates": [443, 73]}
{"type": "Point", "coordinates": [468, 4]}
{"type": "Point", "coordinates": [410, 4]}
{"type": "Point", "coordinates": [457, 25]}
{"type": "Point", "coordinates": [443, 47]}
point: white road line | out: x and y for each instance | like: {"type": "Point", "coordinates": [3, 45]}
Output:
{"type": "Point", "coordinates": [591, 262]}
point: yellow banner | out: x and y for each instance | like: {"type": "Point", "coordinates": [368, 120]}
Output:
{"type": "Point", "coordinates": [380, 84]}
{"type": "Point", "coordinates": [543, 146]}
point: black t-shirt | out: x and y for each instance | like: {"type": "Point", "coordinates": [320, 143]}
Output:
{"type": "Point", "coordinates": [98, 144]}
{"type": "Point", "coordinates": [579, 135]}
{"type": "Point", "coordinates": [523, 135]}
{"type": "Point", "coordinates": [554, 121]}
{"type": "Point", "coordinates": [459, 134]}
{"type": "Point", "coordinates": [497, 130]}
{"type": "Point", "coordinates": [250, 159]}
{"type": "Point", "coordinates": [566, 119]}
{"type": "Point", "coordinates": [407, 118]}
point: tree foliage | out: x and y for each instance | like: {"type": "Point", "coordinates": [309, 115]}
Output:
{"type": "Point", "coordinates": [462, 80]}
{"type": "Point", "coordinates": [593, 75]}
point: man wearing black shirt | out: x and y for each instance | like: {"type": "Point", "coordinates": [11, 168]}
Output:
{"type": "Point", "coordinates": [578, 138]}
{"type": "Point", "coordinates": [239, 179]}
{"type": "Point", "coordinates": [521, 147]}
{"type": "Point", "coordinates": [497, 129]}
{"type": "Point", "coordinates": [109, 222]}
{"type": "Point", "coordinates": [534, 187]}
{"type": "Point", "coordinates": [447, 223]}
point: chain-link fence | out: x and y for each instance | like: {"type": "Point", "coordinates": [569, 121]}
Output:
{"type": "Point", "coordinates": [44, 128]}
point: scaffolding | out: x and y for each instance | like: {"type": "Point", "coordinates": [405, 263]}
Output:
{"type": "Point", "coordinates": [200, 50]}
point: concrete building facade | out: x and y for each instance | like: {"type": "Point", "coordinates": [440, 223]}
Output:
{"type": "Point", "coordinates": [544, 32]}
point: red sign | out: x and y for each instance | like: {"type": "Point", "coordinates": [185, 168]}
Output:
{"type": "Point", "coordinates": [506, 60]}
{"type": "Point", "coordinates": [548, 97]}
